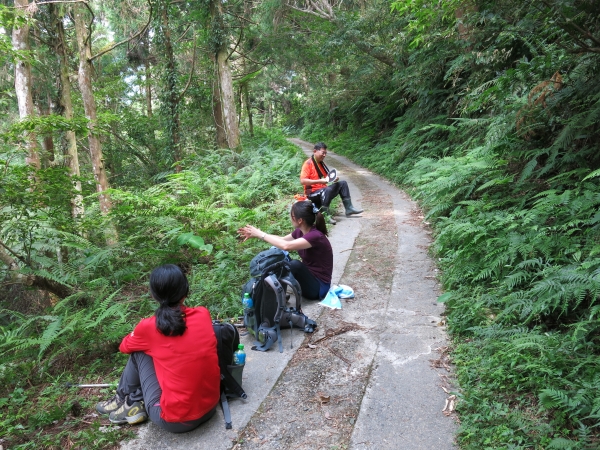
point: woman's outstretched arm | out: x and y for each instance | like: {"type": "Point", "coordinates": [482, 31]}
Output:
{"type": "Point", "coordinates": [287, 243]}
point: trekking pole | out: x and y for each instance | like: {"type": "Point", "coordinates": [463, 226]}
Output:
{"type": "Point", "coordinates": [102, 385]}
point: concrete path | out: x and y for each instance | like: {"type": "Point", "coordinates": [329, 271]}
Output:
{"type": "Point", "coordinates": [378, 371]}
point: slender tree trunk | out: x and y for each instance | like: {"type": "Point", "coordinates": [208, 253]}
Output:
{"type": "Point", "coordinates": [248, 108]}
{"type": "Point", "coordinates": [218, 116]}
{"type": "Point", "coordinates": [224, 80]}
{"type": "Point", "coordinates": [72, 154]}
{"type": "Point", "coordinates": [239, 100]}
{"type": "Point", "coordinates": [148, 89]}
{"type": "Point", "coordinates": [89, 104]}
{"type": "Point", "coordinates": [47, 157]}
{"type": "Point", "coordinates": [269, 114]}
{"type": "Point", "coordinates": [227, 99]}
{"type": "Point", "coordinates": [464, 33]}
{"type": "Point", "coordinates": [20, 41]}
{"type": "Point", "coordinates": [172, 95]}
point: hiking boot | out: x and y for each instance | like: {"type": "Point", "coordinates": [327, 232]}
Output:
{"type": "Point", "coordinates": [131, 414]}
{"type": "Point", "coordinates": [110, 405]}
{"type": "Point", "coordinates": [349, 208]}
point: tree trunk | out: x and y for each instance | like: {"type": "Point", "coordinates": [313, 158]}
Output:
{"type": "Point", "coordinates": [227, 100]}
{"type": "Point", "coordinates": [248, 108]}
{"type": "Point", "coordinates": [48, 155]}
{"type": "Point", "coordinates": [218, 116]}
{"type": "Point", "coordinates": [15, 276]}
{"type": "Point", "coordinates": [172, 95]}
{"type": "Point", "coordinates": [72, 154]}
{"type": "Point", "coordinates": [224, 81]}
{"type": "Point", "coordinates": [20, 41]}
{"type": "Point", "coordinates": [464, 33]}
{"type": "Point", "coordinates": [89, 104]}
{"type": "Point", "coordinates": [148, 89]}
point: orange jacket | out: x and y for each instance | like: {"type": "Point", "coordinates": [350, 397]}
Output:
{"type": "Point", "coordinates": [309, 171]}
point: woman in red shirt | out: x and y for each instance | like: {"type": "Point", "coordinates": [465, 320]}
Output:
{"type": "Point", "coordinates": [309, 239]}
{"type": "Point", "coordinates": [172, 374]}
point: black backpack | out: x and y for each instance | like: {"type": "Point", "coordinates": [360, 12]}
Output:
{"type": "Point", "coordinates": [228, 339]}
{"type": "Point", "coordinates": [269, 312]}
{"type": "Point", "coordinates": [265, 259]}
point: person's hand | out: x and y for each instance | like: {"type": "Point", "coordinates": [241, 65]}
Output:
{"type": "Point", "coordinates": [323, 181]}
{"type": "Point", "coordinates": [249, 231]}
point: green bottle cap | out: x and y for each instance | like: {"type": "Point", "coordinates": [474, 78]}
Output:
{"type": "Point", "coordinates": [241, 346]}
{"type": "Point", "coordinates": [246, 295]}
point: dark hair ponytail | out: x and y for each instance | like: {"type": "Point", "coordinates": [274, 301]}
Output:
{"type": "Point", "coordinates": [168, 285]}
{"type": "Point", "coordinates": [306, 211]}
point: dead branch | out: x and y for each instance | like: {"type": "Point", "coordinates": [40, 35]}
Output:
{"type": "Point", "coordinates": [139, 33]}
{"type": "Point", "coordinates": [331, 333]}
{"type": "Point", "coordinates": [191, 71]}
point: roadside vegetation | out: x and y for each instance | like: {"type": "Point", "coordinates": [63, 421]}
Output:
{"type": "Point", "coordinates": [189, 219]}
{"type": "Point", "coordinates": [141, 132]}
{"type": "Point", "coordinates": [495, 132]}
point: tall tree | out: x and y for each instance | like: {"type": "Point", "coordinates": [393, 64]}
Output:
{"type": "Point", "coordinates": [224, 83]}
{"type": "Point", "coordinates": [20, 39]}
{"type": "Point", "coordinates": [72, 155]}
{"type": "Point", "coordinates": [171, 96]}
{"type": "Point", "coordinates": [89, 103]}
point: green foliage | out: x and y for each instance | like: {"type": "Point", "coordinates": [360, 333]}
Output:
{"type": "Point", "coordinates": [190, 219]}
{"type": "Point", "coordinates": [497, 138]}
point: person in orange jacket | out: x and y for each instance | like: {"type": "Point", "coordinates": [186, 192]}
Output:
{"type": "Point", "coordinates": [318, 189]}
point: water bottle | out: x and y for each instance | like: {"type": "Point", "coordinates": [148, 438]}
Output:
{"type": "Point", "coordinates": [247, 302]}
{"type": "Point", "coordinates": [239, 356]}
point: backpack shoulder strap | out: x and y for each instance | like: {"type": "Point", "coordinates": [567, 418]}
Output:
{"type": "Point", "coordinates": [274, 284]}
{"type": "Point", "coordinates": [289, 280]}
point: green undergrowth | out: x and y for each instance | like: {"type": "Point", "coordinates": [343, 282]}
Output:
{"type": "Point", "coordinates": [517, 236]}
{"type": "Point", "coordinates": [188, 218]}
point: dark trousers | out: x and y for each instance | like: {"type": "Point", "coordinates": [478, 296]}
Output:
{"type": "Point", "coordinates": [310, 285]}
{"type": "Point", "coordinates": [139, 382]}
{"type": "Point", "coordinates": [323, 197]}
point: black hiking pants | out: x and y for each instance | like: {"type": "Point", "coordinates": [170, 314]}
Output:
{"type": "Point", "coordinates": [324, 196]}
{"type": "Point", "coordinates": [310, 285]}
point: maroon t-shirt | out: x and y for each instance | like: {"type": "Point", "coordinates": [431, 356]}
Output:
{"type": "Point", "coordinates": [319, 258]}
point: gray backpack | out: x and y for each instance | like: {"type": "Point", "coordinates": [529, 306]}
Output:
{"type": "Point", "coordinates": [265, 259]}
{"type": "Point", "coordinates": [270, 313]}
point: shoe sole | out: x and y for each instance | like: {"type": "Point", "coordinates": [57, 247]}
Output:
{"type": "Point", "coordinates": [138, 418]}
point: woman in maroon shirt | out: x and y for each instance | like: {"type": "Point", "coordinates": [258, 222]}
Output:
{"type": "Point", "coordinates": [309, 239]}
{"type": "Point", "coordinates": [173, 373]}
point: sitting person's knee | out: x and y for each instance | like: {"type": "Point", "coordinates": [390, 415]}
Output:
{"type": "Point", "coordinates": [295, 265]}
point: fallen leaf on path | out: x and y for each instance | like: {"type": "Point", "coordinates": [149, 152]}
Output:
{"type": "Point", "coordinates": [323, 398]}
{"type": "Point", "coordinates": [311, 346]}
{"type": "Point", "coordinates": [449, 406]}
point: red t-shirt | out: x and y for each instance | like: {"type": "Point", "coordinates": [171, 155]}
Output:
{"type": "Point", "coordinates": [309, 171]}
{"type": "Point", "coordinates": [187, 366]}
